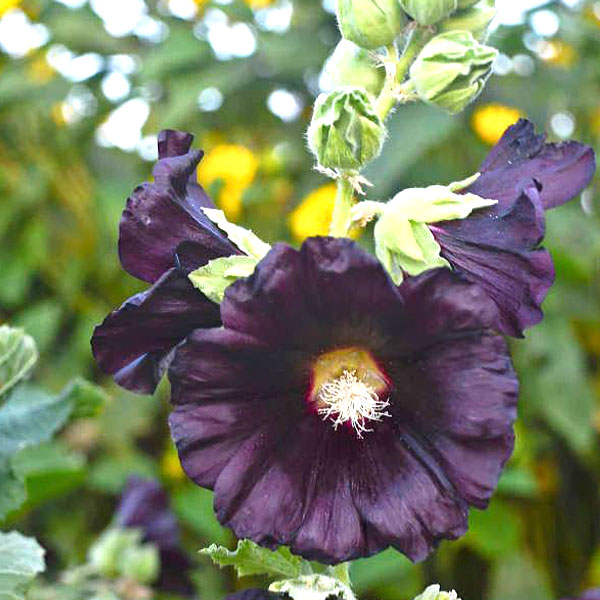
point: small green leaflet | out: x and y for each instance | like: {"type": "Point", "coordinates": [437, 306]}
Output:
{"type": "Point", "coordinates": [215, 277]}
{"type": "Point", "coordinates": [21, 559]}
{"type": "Point", "coordinates": [247, 241]}
{"type": "Point", "coordinates": [18, 355]}
{"type": "Point", "coordinates": [313, 587]}
{"type": "Point", "coordinates": [250, 559]}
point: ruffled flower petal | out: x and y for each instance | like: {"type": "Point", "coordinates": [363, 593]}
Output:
{"type": "Point", "coordinates": [282, 474]}
{"type": "Point", "coordinates": [135, 342]}
{"type": "Point", "coordinates": [161, 215]}
{"type": "Point", "coordinates": [499, 251]}
{"type": "Point", "coordinates": [562, 170]}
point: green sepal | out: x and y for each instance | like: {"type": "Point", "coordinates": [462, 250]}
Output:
{"type": "Point", "coordinates": [247, 241]}
{"type": "Point", "coordinates": [250, 559]}
{"type": "Point", "coordinates": [429, 12]}
{"type": "Point", "coordinates": [217, 275]}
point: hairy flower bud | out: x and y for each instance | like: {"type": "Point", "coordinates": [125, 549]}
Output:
{"type": "Point", "coordinates": [370, 23]}
{"type": "Point", "coordinates": [345, 132]}
{"type": "Point", "coordinates": [452, 70]}
{"type": "Point", "coordinates": [475, 19]}
{"type": "Point", "coordinates": [352, 66]}
{"type": "Point", "coordinates": [429, 12]}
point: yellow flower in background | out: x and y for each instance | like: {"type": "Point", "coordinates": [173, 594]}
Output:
{"type": "Point", "coordinates": [313, 215]}
{"type": "Point", "coordinates": [170, 465]}
{"type": "Point", "coordinates": [491, 120]}
{"type": "Point", "coordinates": [559, 54]}
{"type": "Point", "coordinates": [235, 166]}
{"type": "Point", "coordinates": [6, 5]}
{"type": "Point", "coordinates": [40, 71]}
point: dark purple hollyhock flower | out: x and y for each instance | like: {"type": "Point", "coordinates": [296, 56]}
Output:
{"type": "Point", "coordinates": [339, 414]}
{"type": "Point", "coordinates": [163, 235]}
{"type": "Point", "coordinates": [498, 247]}
{"type": "Point", "coordinates": [145, 505]}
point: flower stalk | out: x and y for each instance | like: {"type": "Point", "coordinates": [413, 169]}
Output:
{"type": "Point", "coordinates": [341, 219]}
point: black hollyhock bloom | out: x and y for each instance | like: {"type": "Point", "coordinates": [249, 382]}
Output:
{"type": "Point", "coordinates": [499, 247]}
{"type": "Point", "coordinates": [338, 414]}
{"type": "Point", "coordinates": [145, 506]}
{"type": "Point", "coordinates": [163, 235]}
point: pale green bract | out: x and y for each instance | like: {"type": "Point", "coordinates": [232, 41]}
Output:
{"type": "Point", "coordinates": [21, 559]}
{"type": "Point", "coordinates": [403, 241]}
{"type": "Point", "coordinates": [313, 587]}
{"type": "Point", "coordinates": [250, 559]}
{"type": "Point", "coordinates": [247, 241]}
{"type": "Point", "coordinates": [433, 593]}
{"type": "Point", "coordinates": [217, 275]}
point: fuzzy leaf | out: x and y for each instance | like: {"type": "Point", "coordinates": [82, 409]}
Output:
{"type": "Point", "coordinates": [21, 559]}
{"type": "Point", "coordinates": [247, 241]}
{"type": "Point", "coordinates": [18, 355]}
{"type": "Point", "coordinates": [250, 559]}
{"type": "Point", "coordinates": [217, 275]}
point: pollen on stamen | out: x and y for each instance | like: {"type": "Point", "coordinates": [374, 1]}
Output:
{"type": "Point", "coordinates": [347, 399]}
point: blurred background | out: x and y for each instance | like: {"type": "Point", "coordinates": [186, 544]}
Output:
{"type": "Point", "coordinates": [85, 86]}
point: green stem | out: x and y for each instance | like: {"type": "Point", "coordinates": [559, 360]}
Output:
{"type": "Point", "coordinates": [398, 67]}
{"type": "Point", "coordinates": [342, 211]}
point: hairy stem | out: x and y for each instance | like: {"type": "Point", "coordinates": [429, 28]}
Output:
{"type": "Point", "coordinates": [342, 211]}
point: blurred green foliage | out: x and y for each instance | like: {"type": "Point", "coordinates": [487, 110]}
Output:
{"type": "Point", "coordinates": [63, 187]}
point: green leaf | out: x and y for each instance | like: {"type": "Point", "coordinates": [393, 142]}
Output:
{"type": "Point", "coordinates": [29, 417]}
{"type": "Point", "coordinates": [12, 489]}
{"type": "Point", "coordinates": [315, 587]}
{"type": "Point", "coordinates": [18, 355]}
{"type": "Point", "coordinates": [247, 241]}
{"type": "Point", "coordinates": [86, 399]}
{"type": "Point", "coordinates": [250, 559]}
{"type": "Point", "coordinates": [217, 275]}
{"type": "Point", "coordinates": [21, 559]}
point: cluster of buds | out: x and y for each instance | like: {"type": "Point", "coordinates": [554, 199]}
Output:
{"type": "Point", "coordinates": [449, 72]}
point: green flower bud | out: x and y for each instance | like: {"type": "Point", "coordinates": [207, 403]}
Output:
{"type": "Point", "coordinates": [429, 12]}
{"type": "Point", "coordinates": [466, 3]}
{"type": "Point", "coordinates": [370, 23]}
{"type": "Point", "coordinates": [351, 66]}
{"type": "Point", "coordinates": [452, 70]}
{"type": "Point", "coordinates": [433, 593]}
{"type": "Point", "coordinates": [475, 19]}
{"type": "Point", "coordinates": [106, 553]}
{"type": "Point", "coordinates": [345, 132]}
{"type": "Point", "coordinates": [140, 563]}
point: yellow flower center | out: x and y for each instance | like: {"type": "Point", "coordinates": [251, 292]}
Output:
{"type": "Point", "coordinates": [349, 388]}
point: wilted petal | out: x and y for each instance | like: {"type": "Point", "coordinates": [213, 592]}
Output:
{"type": "Point", "coordinates": [161, 215]}
{"type": "Point", "coordinates": [499, 252]}
{"type": "Point", "coordinates": [562, 170]}
{"type": "Point", "coordinates": [134, 342]}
